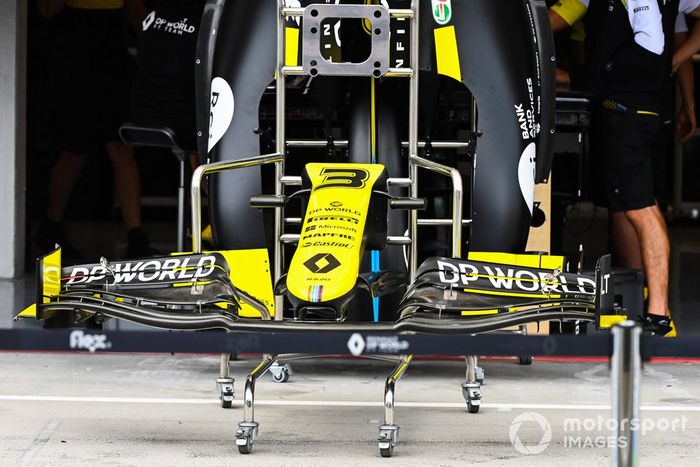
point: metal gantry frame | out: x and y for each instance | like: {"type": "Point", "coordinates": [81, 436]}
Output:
{"type": "Point", "coordinates": [248, 428]}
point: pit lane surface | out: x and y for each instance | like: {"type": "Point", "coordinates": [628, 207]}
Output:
{"type": "Point", "coordinates": [108, 409]}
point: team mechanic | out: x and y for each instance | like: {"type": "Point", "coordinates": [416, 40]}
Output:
{"type": "Point", "coordinates": [629, 46]}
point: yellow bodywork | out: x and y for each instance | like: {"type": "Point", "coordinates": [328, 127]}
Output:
{"type": "Point", "coordinates": [447, 52]}
{"type": "Point", "coordinates": [327, 261]}
{"type": "Point", "coordinates": [250, 271]}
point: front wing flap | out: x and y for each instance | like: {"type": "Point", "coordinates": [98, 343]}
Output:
{"type": "Point", "coordinates": [466, 288]}
{"type": "Point", "coordinates": [181, 284]}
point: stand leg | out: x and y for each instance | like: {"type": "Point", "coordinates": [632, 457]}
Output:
{"type": "Point", "coordinates": [248, 428]}
{"type": "Point", "coordinates": [389, 432]}
{"type": "Point", "coordinates": [471, 388]}
{"type": "Point", "coordinates": [224, 383]}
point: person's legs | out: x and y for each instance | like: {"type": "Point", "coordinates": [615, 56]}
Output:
{"type": "Point", "coordinates": [126, 182]}
{"type": "Point", "coordinates": [62, 180]}
{"type": "Point", "coordinates": [625, 242]}
{"type": "Point", "coordinates": [63, 177]}
{"type": "Point", "coordinates": [650, 227]}
{"type": "Point", "coordinates": [128, 187]}
{"type": "Point", "coordinates": [639, 238]}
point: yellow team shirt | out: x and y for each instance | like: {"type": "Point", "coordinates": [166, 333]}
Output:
{"type": "Point", "coordinates": [570, 11]}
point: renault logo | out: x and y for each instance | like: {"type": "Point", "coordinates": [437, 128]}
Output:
{"type": "Point", "coordinates": [322, 263]}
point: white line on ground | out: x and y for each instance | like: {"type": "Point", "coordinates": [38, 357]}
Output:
{"type": "Point", "coordinates": [499, 406]}
{"type": "Point", "coordinates": [39, 442]}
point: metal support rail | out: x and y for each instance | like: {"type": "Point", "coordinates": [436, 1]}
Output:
{"type": "Point", "coordinates": [427, 222]}
{"type": "Point", "coordinates": [343, 143]}
{"type": "Point", "coordinates": [457, 196]}
{"type": "Point", "coordinates": [389, 388]}
{"type": "Point", "coordinates": [390, 240]}
{"type": "Point", "coordinates": [393, 12]}
{"type": "Point", "coordinates": [216, 167]}
{"type": "Point", "coordinates": [413, 136]}
{"type": "Point", "coordinates": [280, 134]}
{"type": "Point", "coordinates": [391, 73]}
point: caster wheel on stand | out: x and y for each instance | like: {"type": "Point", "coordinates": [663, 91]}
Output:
{"type": "Point", "coordinates": [472, 394]}
{"type": "Point", "coordinates": [245, 448]}
{"type": "Point", "coordinates": [525, 359]}
{"type": "Point", "coordinates": [226, 394]}
{"type": "Point", "coordinates": [281, 373]}
{"type": "Point", "coordinates": [388, 437]}
{"type": "Point", "coordinates": [245, 436]}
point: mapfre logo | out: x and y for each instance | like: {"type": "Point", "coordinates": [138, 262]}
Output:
{"type": "Point", "coordinates": [79, 340]}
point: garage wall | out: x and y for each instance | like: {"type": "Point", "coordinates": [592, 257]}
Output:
{"type": "Point", "coordinates": [13, 47]}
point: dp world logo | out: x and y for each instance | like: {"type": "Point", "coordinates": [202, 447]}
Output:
{"type": "Point", "coordinates": [542, 428]}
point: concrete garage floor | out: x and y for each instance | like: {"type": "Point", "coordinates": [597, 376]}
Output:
{"type": "Point", "coordinates": [146, 409]}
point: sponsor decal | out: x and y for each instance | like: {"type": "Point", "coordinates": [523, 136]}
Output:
{"type": "Point", "coordinates": [328, 234]}
{"type": "Point", "coordinates": [350, 220]}
{"type": "Point", "coordinates": [293, 4]}
{"type": "Point", "coordinates": [322, 263]}
{"type": "Point", "coordinates": [153, 21]}
{"type": "Point", "coordinates": [604, 284]}
{"type": "Point", "coordinates": [221, 108]}
{"type": "Point", "coordinates": [148, 20]}
{"type": "Point", "coordinates": [336, 177]}
{"type": "Point", "coordinates": [330, 227]}
{"type": "Point", "coordinates": [325, 244]}
{"type": "Point", "coordinates": [526, 174]}
{"type": "Point", "coordinates": [525, 113]}
{"type": "Point", "coordinates": [385, 345]}
{"type": "Point", "coordinates": [334, 210]}
{"type": "Point", "coordinates": [442, 11]}
{"type": "Point", "coordinates": [400, 41]}
{"type": "Point", "coordinates": [330, 37]}
{"type": "Point", "coordinates": [173, 269]}
{"type": "Point", "coordinates": [91, 342]}
{"type": "Point", "coordinates": [357, 344]}
{"type": "Point", "coordinates": [511, 279]}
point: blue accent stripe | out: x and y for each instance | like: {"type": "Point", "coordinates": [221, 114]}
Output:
{"type": "Point", "coordinates": [375, 268]}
